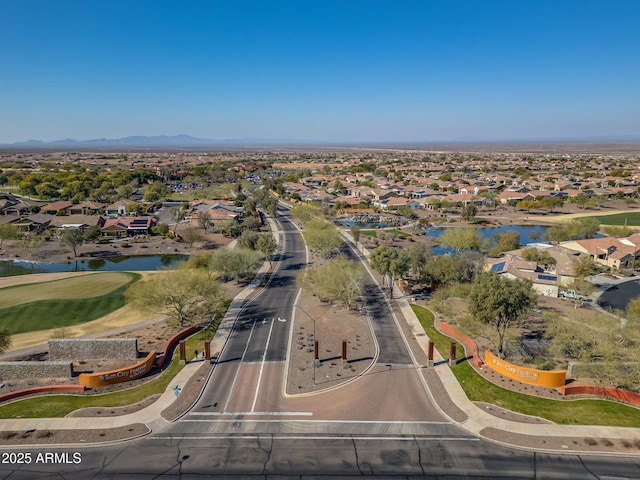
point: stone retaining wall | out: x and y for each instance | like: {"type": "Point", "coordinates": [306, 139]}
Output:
{"type": "Point", "coordinates": [93, 348]}
{"type": "Point", "coordinates": [15, 370]}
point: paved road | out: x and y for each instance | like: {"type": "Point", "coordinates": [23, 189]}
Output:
{"type": "Point", "coordinates": [312, 457]}
{"type": "Point", "coordinates": [618, 296]}
{"type": "Point", "coordinates": [382, 425]}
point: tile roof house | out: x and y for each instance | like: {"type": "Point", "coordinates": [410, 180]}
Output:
{"type": "Point", "coordinates": [512, 266]}
{"type": "Point", "coordinates": [82, 222]}
{"type": "Point", "coordinates": [86, 208]}
{"type": "Point", "coordinates": [128, 226]}
{"type": "Point", "coordinates": [56, 208]}
{"type": "Point", "coordinates": [119, 208]}
{"type": "Point", "coordinates": [608, 251]}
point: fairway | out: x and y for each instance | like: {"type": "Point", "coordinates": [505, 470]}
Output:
{"type": "Point", "coordinates": [84, 286]}
{"type": "Point", "coordinates": [70, 306]}
{"type": "Point", "coordinates": [618, 217]}
{"type": "Point", "coordinates": [631, 219]}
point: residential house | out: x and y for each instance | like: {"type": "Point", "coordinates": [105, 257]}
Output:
{"type": "Point", "coordinates": [60, 207]}
{"type": "Point", "coordinates": [394, 203]}
{"type": "Point", "coordinates": [510, 196]}
{"type": "Point", "coordinates": [86, 208]}
{"type": "Point", "coordinates": [127, 227]}
{"type": "Point", "coordinates": [121, 207]}
{"type": "Point", "coordinates": [33, 223]}
{"type": "Point", "coordinates": [615, 253]}
{"type": "Point", "coordinates": [217, 211]}
{"type": "Point", "coordinates": [81, 222]}
{"type": "Point", "coordinates": [513, 267]}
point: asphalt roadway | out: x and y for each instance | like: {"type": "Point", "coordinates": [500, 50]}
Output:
{"type": "Point", "coordinates": [618, 296]}
{"type": "Point", "coordinates": [382, 425]}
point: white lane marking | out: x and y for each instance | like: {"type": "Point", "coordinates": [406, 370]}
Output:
{"type": "Point", "coordinates": [346, 437]}
{"type": "Point", "coordinates": [264, 357]}
{"type": "Point", "coordinates": [235, 377]}
{"type": "Point", "coordinates": [275, 414]}
{"type": "Point", "coordinates": [235, 420]}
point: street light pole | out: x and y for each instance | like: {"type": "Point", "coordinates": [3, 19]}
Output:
{"type": "Point", "coordinates": [316, 348]}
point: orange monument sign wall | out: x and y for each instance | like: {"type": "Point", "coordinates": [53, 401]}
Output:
{"type": "Point", "coordinates": [543, 378]}
{"type": "Point", "coordinates": [100, 379]}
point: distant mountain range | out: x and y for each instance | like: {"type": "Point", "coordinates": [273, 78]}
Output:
{"type": "Point", "coordinates": [187, 141]}
{"type": "Point", "coordinates": [144, 141]}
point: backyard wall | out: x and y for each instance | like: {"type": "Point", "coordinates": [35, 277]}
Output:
{"type": "Point", "coordinates": [96, 348]}
{"type": "Point", "coordinates": [19, 370]}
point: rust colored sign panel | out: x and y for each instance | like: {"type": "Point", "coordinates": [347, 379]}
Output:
{"type": "Point", "coordinates": [100, 379]}
{"type": "Point", "coordinates": [544, 378]}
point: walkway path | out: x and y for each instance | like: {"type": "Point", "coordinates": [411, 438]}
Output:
{"type": "Point", "coordinates": [472, 418]}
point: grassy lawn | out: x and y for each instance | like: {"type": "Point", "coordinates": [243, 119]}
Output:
{"type": "Point", "coordinates": [578, 412]}
{"type": "Point", "coordinates": [369, 233]}
{"type": "Point", "coordinates": [52, 406]}
{"type": "Point", "coordinates": [399, 233]}
{"type": "Point", "coordinates": [84, 286]}
{"type": "Point", "coordinates": [60, 311]}
{"type": "Point", "coordinates": [631, 219]}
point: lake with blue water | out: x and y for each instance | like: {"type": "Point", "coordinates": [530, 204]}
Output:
{"type": "Point", "coordinates": [528, 234]}
{"type": "Point", "coordinates": [10, 268]}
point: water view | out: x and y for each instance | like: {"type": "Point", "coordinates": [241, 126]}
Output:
{"type": "Point", "coordinates": [528, 233]}
{"type": "Point", "coordinates": [10, 268]}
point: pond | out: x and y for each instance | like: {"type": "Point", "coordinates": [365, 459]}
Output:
{"type": "Point", "coordinates": [10, 268]}
{"type": "Point", "coordinates": [528, 234]}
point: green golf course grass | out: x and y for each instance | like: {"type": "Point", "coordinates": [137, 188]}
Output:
{"type": "Point", "coordinates": [63, 303]}
{"type": "Point", "coordinates": [631, 219]}
{"type": "Point", "coordinates": [577, 412]}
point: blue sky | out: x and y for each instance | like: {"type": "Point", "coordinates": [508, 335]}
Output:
{"type": "Point", "coordinates": [326, 71]}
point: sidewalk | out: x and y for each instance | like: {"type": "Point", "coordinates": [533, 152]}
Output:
{"type": "Point", "coordinates": [472, 418]}
{"type": "Point", "coordinates": [151, 415]}
{"type": "Point", "coordinates": [478, 420]}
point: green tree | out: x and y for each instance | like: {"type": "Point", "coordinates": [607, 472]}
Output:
{"type": "Point", "coordinates": [587, 227]}
{"type": "Point", "coordinates": [192, 235]}
{"type": "Point", "coordinates": [305, 213]}
{"type": "Point", "coordinates": [156, 191]}
{"type": "Point", "coordinates": [340, 279]}
{"type": "Point", "coordinates": [72, 238]}
{"type": "Point", "coordinates": [392, 263]}
{"type": "Point", "coordinates": [234, 264]}
{"type": "Point", "coordinates": [176, 214]}
{"type": "Point", "coordinates": [462, 238]}
{"type": "Point", "coordinates": [355, 233]}
{"type": "Point", "coordinates": [551, 202]}
{"type": "Point", "coordinates": [584, 266]}
{"type": "Point", "coordinates": [505, 242]}
{"type": "Point", "coordinates": [266, 245]}
{"type": "Point", "coordinates": [228, 228]}
{"type": "Point", "coordinates": [541, 257]}
{"type": "Point", "coordinates": [184, 295]}
{"type": "Point", "coordinates": [527, 205]}
{"type": "Point", "coordinates": [469, 211]}
{"type": "Point", "coordinates": [419, 255]}
{"type": "Point", "coordinates": [453, 269]}
{"type": "Point", "coordinates": [321, 237]}
{"type": "Point", "coordinates": [248, 239]}
{"type": "Point", "coordinates": [204, 220]}
{"type": "Point", "coordinates": [501, 303]}
{"type": "Point", "coordinates": [557, 233]}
